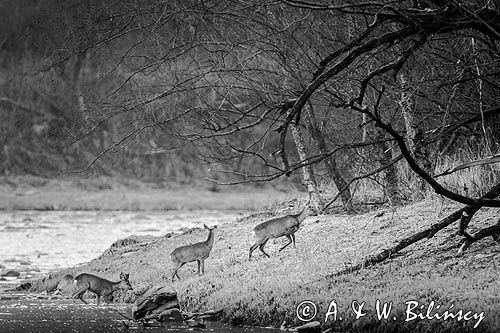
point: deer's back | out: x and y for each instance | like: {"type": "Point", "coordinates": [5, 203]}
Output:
{"type": "Point", "coordinates": [94, 283]}
{"type": "Point", "coordinates": [192, 252]}
{"type": "Point", "coordinates": [277, 227]}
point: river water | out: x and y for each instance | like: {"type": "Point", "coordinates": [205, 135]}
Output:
{"type": "Point", "coordinates": [44, 316]}
{"type": "Point", "coordinates": [39, 241]}
{"type": "Point", "coordinates": [33, 243]}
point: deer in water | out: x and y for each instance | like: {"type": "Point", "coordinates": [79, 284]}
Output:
{"type": "Point", "coordinates": [277, 227]}
{"type": "Point", "coordinates": [65, 284]}
{"type": "Point", "coordinates": [100, 286]}
{"type": "Point", "coordinates": [193, 252]}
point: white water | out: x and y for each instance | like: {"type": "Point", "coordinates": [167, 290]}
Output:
{"type": "Point", "coordinates": [35, 242]}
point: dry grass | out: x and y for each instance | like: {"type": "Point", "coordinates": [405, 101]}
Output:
{"type": "Point", "coordinates": [104, 193]}
{"type": "Point", "coordinates": [34, 193]}
{"type": "Point", "coordinates": [266, 291]}
{"type": "Point", "coordinates": [474, 181]}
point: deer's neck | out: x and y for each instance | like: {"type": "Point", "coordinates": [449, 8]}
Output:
{"type": "Point", "coordinates": [210, 239]}
{"type": "Point", "coordinates": [115, 285]}
{"type": "Point", "coordinates": [302, 215]}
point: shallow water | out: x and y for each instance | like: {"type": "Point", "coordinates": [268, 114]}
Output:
{"type": "Point", "coordinates": [35, 242]}
{"type": "Point", "coordinates": [38, 316]}
{"type": "Point", "coordinates": [32, 243]}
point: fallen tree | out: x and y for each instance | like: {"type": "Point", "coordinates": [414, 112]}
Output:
{"type": "Point", "coordinates": [464, 214]}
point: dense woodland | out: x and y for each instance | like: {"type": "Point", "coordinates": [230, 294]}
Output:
{"type": "Point", "coordinates": [327, 93]}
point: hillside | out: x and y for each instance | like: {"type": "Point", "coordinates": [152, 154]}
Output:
{"type": "Point", "coordinates": [266, 291]}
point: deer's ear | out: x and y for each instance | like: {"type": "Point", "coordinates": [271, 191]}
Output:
{"type": "Point", "coordinates": [127, 276]}
{"type": "Point", "coordinates": [205, 226]}
{"type": "Point", "coordinates": [122, 276]}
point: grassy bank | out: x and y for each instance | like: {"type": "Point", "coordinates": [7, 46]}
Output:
{"type": "Point", "coordinates": [266, 291]}
{"type": "Point", "coordinates": [34, 193]}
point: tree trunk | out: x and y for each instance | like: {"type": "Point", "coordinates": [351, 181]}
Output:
{"type": "Point", "coordinates": [407, 109]}
{"type": "Point", "coordinates": [76, 83]}
{"type": "Point", "coordinates": [390, 177]}
{"type": "Point", "coordinates": [308, 176]}
{"type": "Point", "coordinates": [6, 160]}
{"type": "Point", "coordinates": [413, 134]}
{"type": "Point", "coordinates": [330, 163]}
{"type": "Point", "coordinates": [309, 180]}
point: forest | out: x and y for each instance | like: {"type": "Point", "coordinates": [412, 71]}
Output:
{"type": "Point", "coordinates": [384, 99]}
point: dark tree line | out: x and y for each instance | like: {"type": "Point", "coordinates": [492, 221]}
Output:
{"type": "Point", "coordinates": [326, 91]}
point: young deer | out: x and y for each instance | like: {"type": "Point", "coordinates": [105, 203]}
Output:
{"type": "Point", "coordinates": [193, 252]}
{"type": "Point", "coordinates": [277, 227]}
{"type": "Point", "coordinates": [100, 286]}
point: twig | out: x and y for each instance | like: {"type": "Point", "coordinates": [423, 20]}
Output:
{"type": "Point", "coordinates": [392, 162]}
{"type": "Point", "coordinates": [493, 231]}
{"type": "Point", "coordinates": [484, 161]}
{"type": "Point", "coordinates": [205, 314]}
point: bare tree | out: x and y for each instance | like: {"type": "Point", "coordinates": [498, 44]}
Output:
{"type": "Point", "coordinates": [330, 163]}
{"type": "Point", "coordinates": [205, 79]}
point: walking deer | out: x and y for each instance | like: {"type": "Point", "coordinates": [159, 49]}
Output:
{"type": "Point", "coordinates": [277, 227]}
{"type": "Point", "coordinates": [99, 286]}
{"type": "Point", "coordinates": [66, 285]}
{"type": "Point", "coordinates": [193, 252]}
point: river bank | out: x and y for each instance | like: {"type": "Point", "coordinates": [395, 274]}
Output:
{"type": "Point", "coordinates": [266, 291]}
{"type": "Point", "coordinates": [116, 194]}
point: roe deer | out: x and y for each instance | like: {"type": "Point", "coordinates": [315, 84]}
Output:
{"type": "Point", "coordinates": [66, 285]}
{"type": "Point", "coordinates": [100, 286]}
{"type": "Point", "coordinates": [193, 252]}
{"type": "Point", "coordinates": [277, 227]}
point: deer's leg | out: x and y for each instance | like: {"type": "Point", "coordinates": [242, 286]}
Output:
{"type": "Point", "coordinates": [202, 266]}
{"type": "Point", "coordinates": [199, 263]}
{"type": "Point", "coordinates": [261, 248]}
{"type": "Point", "coordinates": [98, 300]}
{"type": "Point", "coordinates": [107, 298]}
{"type": "Point", "coordinates": [81, 299]}
{"type": "Point", "coordinates": [293, 238]}
{"type": "Point", "coordinates": [252, 248]}
{"type": "Point", "coordinates": [176, 269]}
{"type": "Point", "coordinates": [78, 294]}
{"type": "Point", "coordinates": [289, 242]}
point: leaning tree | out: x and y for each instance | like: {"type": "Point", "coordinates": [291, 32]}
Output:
{"type": "Point", "coordinates": [266, 89]}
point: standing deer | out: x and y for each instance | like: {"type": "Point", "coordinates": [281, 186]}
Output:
{"type": "Point", "coordinates": [100, 286]}
{"type": "Point", "coordinates": [277, 227]}
{"type": "Point", "coordinates": [193, 252]}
